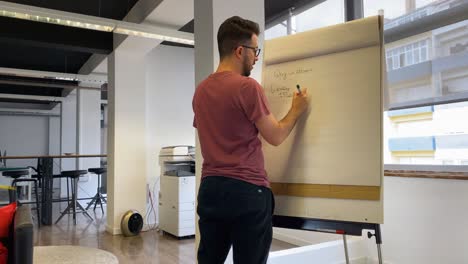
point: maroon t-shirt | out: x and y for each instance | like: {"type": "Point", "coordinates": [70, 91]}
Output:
{"type": "Point", "coordinates": [226, 107]}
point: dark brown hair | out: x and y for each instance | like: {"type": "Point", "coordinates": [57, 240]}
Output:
{"type": "Point", "coordinates": [234, 32]}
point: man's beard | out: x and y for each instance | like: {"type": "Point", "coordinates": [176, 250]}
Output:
{"type": "Point", "coordinates": [246, 69]}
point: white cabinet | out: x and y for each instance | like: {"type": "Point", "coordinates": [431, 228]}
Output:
{"type": "Point", "coordinates": [177, 205]}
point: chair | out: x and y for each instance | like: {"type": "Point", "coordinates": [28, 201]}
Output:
{"type": "Point", "coordinates": [74, 176]}
{"type": "Point", "coordinates": [98, 198]}
{"type": "Point", "coordinates": [16, 176]}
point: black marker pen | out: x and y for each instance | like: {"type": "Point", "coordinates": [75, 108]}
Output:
{"type": "Point", "coordinates": [298, 88]}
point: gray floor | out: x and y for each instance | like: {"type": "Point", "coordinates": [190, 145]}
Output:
{"type": "Point", "coordinates": [149, 247]}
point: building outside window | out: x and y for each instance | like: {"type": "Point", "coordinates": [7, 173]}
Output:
{"type": "Point", "coordinates": [407, 55]}
{"type": "Point", "coordinates": [432, 66]}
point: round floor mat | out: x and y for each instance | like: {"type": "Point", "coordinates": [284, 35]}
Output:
{"type": "Point", "coordinates": [72, 255]}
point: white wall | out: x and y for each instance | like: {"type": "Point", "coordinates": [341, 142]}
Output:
{"type": "Point", "coordinates": [425, 221]}
{"type": "Point", "coordinates": [303, 238]}
{"type": "Point", "coordinates": [89, 141]}
{"type": "Point", "coordinates": [104, 131]}
{"type": "Point", "coordinates": [54, 135]}
{"type": "Point", "coordinates": [24, 135]}
{"type": "Point", "coordinates": [69, 145]}
{"type": "Point", "coordinates": [170, 86]}
{"type": "Point", "coordinates": [54, 144]}
{"type": "Point", "coordinates": [324, 253]}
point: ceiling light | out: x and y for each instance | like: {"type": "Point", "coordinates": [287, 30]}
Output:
{"type": "Point", "coordinates": [51, 16]}
{"type": "Point", "coordinates": [90, 78]}
{"type": "Point", "coordinates": [154, 32]}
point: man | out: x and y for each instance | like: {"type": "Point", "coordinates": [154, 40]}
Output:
{"type": "Point", "coordinates": [235, 203]}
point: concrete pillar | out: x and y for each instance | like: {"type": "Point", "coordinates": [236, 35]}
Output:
{"type": "Point", "coordinates": [126, 144]}
{"type": "Point", "coordinates": [209, 14]}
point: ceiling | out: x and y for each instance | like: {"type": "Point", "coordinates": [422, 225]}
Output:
{"type": "Point", "coordinates": [46, 47]}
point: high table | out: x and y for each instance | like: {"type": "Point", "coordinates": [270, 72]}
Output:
{"type": "Point", "coordinates": [46, 162]}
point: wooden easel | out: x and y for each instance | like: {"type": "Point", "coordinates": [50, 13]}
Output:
{"type": "Point", "coordinates": [334, 227]}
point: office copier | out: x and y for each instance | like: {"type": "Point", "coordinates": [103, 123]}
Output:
{"type": "Point", "coordinates": [177, 190]}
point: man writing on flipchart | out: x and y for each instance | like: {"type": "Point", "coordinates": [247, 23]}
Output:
{"type": "Point", "coordinates": [235, 203]}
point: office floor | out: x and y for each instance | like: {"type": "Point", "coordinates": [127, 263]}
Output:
{"type": "Point", "coordinates": [149, 247]}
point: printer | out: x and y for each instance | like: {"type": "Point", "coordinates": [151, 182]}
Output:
{"type": "Point", "coordinates": [177, 190]}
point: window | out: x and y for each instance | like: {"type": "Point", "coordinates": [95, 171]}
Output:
{"type": "Point", "coordinates": [407, 55]}
{"type": "Point", "coordinates": [279, 30]}
{"type": "Point", "coordinates": [438, 75]}
{"type": "Point", "coordinates": [398, 12]}
{"type": "Point", "coordinates": [391, 8]}
{"type": "Point", "coordinates": [314, 17]}
{"type": "Point", "coordinates": [423, 3]}
{"type": "Point", "coordinates": [310, 18]}
{"type": "Point", "coordinates": [445, 124]}
{"type": "Point", "coordinates": [417, 160]}
{"type": "Point", "coordinates": [448, 162]}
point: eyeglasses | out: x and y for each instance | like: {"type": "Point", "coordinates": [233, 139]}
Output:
{"type": "Point", "coordinates": [256, 50]}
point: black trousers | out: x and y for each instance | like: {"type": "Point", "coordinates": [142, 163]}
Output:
{"type": "Point", "coordinates": [234, 213]}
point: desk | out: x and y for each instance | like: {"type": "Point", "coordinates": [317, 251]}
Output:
{"type": "Point", "coordinates": [46, 162]}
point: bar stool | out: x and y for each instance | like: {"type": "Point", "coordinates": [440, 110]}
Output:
{"type": "Point", "coordinates": [74, 176]}
{"type": "Point", "coordinates": [98, 198]}
{"type": "Point", "coordinates": [16, 176]}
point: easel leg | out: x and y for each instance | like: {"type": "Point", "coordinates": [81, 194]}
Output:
{"type": "Point", "coordinates": [378, 240]}
{"type": "Point", "coordinates": [379, 252]}
{"type": "Point", "coordinates": [345, 243]}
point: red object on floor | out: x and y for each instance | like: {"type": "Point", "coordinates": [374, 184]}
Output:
{"type": "Point", "coordinates": [3, 254]}
{"type": "Point", "coordinates": [6, 218]}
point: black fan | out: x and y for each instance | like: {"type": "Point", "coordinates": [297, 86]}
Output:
{"type": "Point", "coordinates": [132, 223]}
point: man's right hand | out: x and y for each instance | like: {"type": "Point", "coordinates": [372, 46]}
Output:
{"type": "Point", "coordinates": [275, 132]}
{"type": "Point", "coordinates": [300, 102]}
